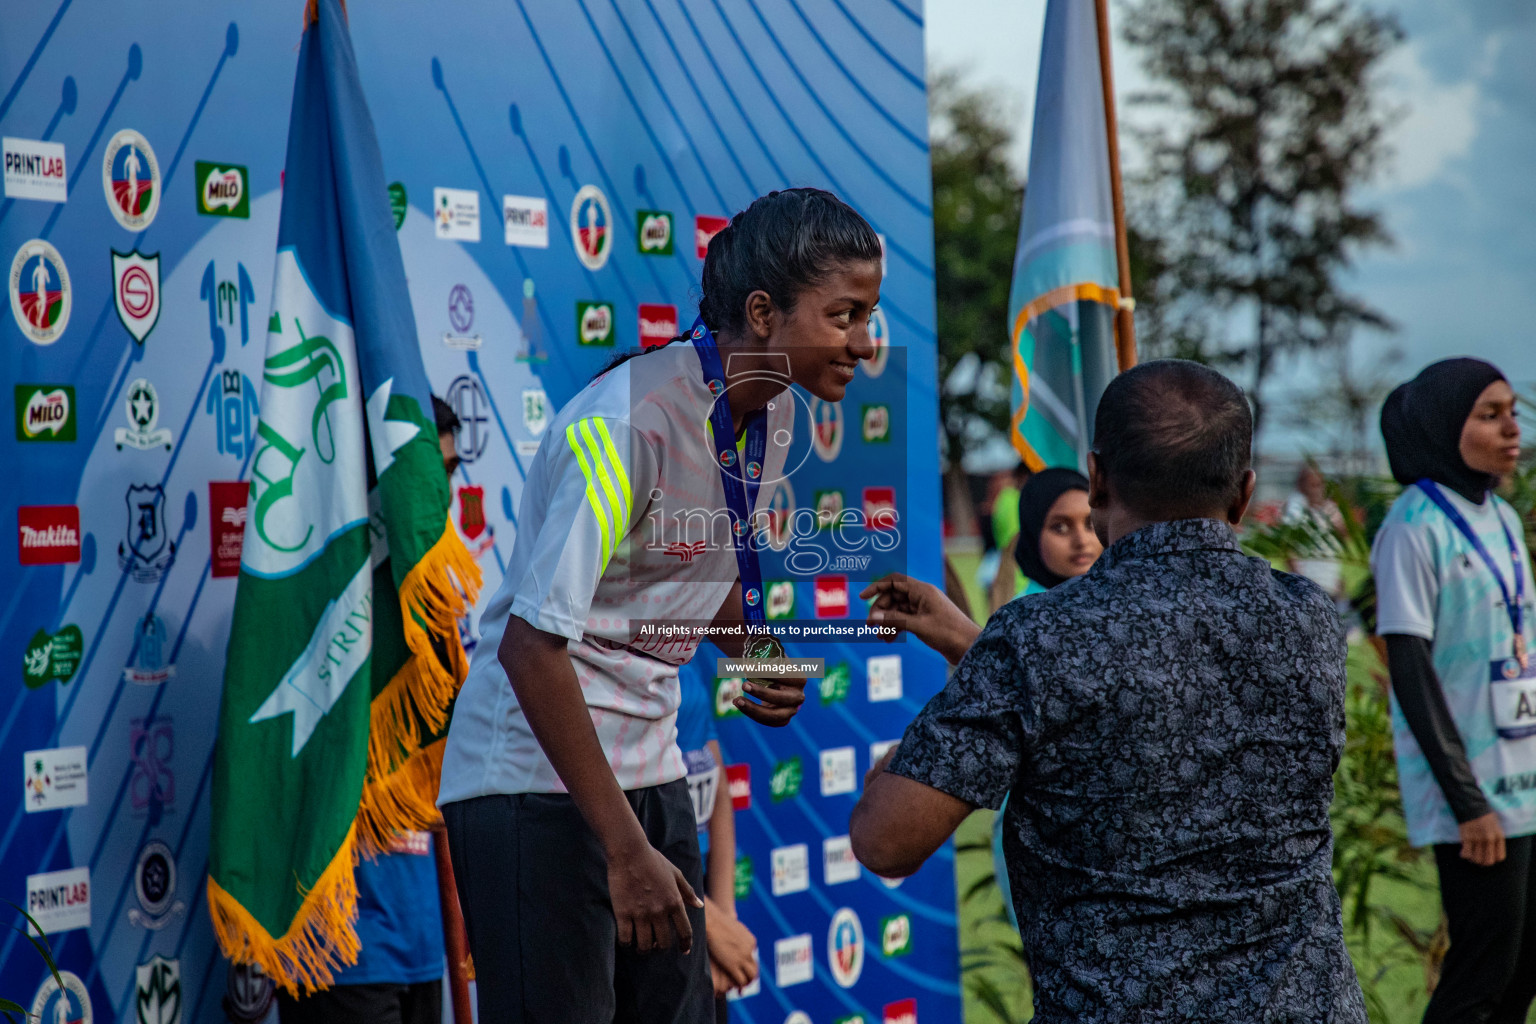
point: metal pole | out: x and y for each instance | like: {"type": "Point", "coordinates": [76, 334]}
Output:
{"type": "Point", "coordinates": [1125, 323]}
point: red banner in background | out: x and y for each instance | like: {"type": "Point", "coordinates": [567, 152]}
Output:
{"type": "Point", "coordinates": [226, 524]}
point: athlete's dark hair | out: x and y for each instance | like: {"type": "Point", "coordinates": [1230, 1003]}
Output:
{"type": "Point", "coordinates": [447, 419]}
{"type": "Point", "coordinates": [780, 245]}
{"type": "Point", "coordinates": [1174, 438]}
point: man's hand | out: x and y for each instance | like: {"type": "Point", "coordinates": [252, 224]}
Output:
{"type": "Point", "coordinates": [730, 949]}
{"type": "Point", "coordinates": [922, 610]}
{"type": "Point", "coordinates": [775, 703]}
{"type": "Point", "coordinates": [648, 894]}
{"type": "Point", "coordinates": [1482, 840]}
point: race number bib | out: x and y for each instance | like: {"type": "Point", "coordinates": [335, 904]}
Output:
{"type": "Point", "coordinates": [1514, 699]}
{"type": "Point", "coordinates": [703, 784]}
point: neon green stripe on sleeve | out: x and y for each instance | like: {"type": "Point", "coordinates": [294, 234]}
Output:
{"type": "Point", "coordinates": [604, 529]}
{"type": "Point", "coordinates": [620, 518]}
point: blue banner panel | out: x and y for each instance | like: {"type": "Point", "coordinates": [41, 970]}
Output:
{"type": "Point", "coordinates": [555, 170]}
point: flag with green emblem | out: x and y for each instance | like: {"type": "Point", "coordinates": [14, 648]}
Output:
{"type": "Point", "coordinates": [344, 652]}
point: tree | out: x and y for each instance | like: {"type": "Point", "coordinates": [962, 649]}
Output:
{"type": "Point", "coordinates": [1271, 126]}
{"type": "Point", "coordinates": [977, 199]}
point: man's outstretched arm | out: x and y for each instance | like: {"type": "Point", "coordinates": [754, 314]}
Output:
{"type": "Point", "coordinates": [898, 823]}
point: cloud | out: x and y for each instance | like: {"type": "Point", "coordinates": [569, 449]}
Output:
{"type": "Point", "coordinates": [1440, 120]}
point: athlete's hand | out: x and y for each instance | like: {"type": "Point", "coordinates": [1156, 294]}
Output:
{"type": "Point", "coordinates": [1482, 840]}
{"type": "Point", "coordinates": [773, 704]}
{"type": "Point", "coordinates": [730, 950]}
{"type": "Point", "coordinates": [650, 899]}
{"type": "Point", "coordinates": [921, 609]}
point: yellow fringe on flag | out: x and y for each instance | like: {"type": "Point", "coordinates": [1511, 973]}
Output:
{"type": "Point", "coordinates": [400, 793]}
{"type": "Point", "coordinates": [321, 936]}
{"type": "Point", "coordinates": [405, 800]}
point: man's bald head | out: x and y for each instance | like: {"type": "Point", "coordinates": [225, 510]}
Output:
{"type": "Point", "coordinates": [1174, 439]}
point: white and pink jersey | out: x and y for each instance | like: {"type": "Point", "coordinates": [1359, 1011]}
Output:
{"type": "Point", "coordinates": [621, 521]}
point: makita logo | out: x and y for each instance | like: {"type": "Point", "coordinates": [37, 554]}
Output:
{"type": "Point", "coordinates": [51, 537]}
{"type": "Point", "coordinates": [831, 596]}
{"type": "Point", "coordinates": [48, 534]}
{"type": "Point", "coordinates": [903, 1011]}
{"type": "Point", "coordinates": [658, 324]}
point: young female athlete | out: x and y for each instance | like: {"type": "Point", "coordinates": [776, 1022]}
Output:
{"type": "Point", "coordinates": [1453, 590]}
{"type": "Point", "coordinates": [563, 787]}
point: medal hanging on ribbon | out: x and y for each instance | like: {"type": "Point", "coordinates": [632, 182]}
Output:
{"type": "Point", "coordinates": [741, 475]}
{"type": "Point", "coordinates": [1514, 602]}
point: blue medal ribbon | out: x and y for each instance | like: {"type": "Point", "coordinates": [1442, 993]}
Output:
{"type": "Point", "coordinates": [741, 485]}
{"type": "Point", "coordinates": [1514, 603]}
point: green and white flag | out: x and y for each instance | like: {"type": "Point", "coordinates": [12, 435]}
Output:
{"type": "Point", "coordinates": [344, 653]}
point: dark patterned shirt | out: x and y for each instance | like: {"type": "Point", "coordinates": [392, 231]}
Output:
{"type": "Point", "coordinates": [1167, 725]}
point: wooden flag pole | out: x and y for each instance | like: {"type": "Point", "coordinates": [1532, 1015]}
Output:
{"type": "Point", "coordinates": [455, 941]}
{"type": "Point", "coordinates": [1125, 322]}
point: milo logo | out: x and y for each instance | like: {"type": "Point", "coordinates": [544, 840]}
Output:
{"type": "Point", "coordinates": [45, 412]}
{"type": "Point", "coordinates": [726, 692]}
{"type": "Point", "coordinates": [781, 599]}
{"type": "Point", "coordinates": [653, 228]}
{"type": "Point", "coordinates": [785, 782]}
{"type": "Point", "coordinates": [896, 935]}
{"type": "Point", "coordinates": [222, 191]}
{"type": "Point", "coordinates": [594, 323]}
{"type": "Point", "coordinates": [876, 423]}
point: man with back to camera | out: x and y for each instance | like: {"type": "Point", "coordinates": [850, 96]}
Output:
{"type": "Point", "coordinates": [1167, 725]}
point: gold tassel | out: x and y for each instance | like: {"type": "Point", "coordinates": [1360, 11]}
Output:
{"type": "Point", "coordinates": [320, 937]}
{"type": "Point", "coordinates": [403, 801]}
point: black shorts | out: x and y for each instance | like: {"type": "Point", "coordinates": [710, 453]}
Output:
{"type": "Point", "coordinates": [382, 1003]}
{"type": "Point", "coordinates": [533, 884]}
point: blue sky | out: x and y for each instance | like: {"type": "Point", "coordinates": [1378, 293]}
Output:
{"type": "Point", "coordinates": [1457, 191]}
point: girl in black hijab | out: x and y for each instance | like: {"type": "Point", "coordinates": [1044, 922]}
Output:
{"type": "Point", "coordinates": [1450, 564]}
{"type": "Point", "coordinates": [1055, 541]}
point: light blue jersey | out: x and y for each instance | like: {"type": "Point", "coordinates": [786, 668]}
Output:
{"type": "Point", "coordinates": [1432, 583]}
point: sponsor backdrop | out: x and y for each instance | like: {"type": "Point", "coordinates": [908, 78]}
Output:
{"type": "Point", "coordinates": [556, 171]}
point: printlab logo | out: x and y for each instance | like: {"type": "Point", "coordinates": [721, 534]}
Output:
{"type": "Point", "coordinates": [468, 402]}
{"type": "Point", "coordinates": [146, 551]}
{"type": "Point", "coordinates": [526, 221]}
{"type": "Point", "coordinates": [148, 665]}
{"type": "Point", "coordinates": [233, 404]}
{"type": "Point", "coordinates": [223, 190]}
{"type": "Point", "coordinates": [884, 674]}
{"type": "Point", "coordinates": [51, 656]}
{"type": "Point", "coordinates": [591, 227]}
{"type": "Point", "coordinates": [136, 291]}
{"type": "Point", "coordinates": [224, 297]}
{"type": "Point", "coordinates": [845, 947]}
{"type": "Point", "coordinates": [152, 786]}
{"type": "Point", "coordinates": [130, 176]}
{"type": "Point", "coordinates": [45, 412]}
{"type": "Point", "coordinates": [157, 996]}
{"type": "Point", "coordinates": [68, 1005]}
{"type": "Point", "coordinates": [653, 232]}
{"type": "Point", "coordinates": [791, 869]}
{"type": "Point", "coordinates": [40, 292]}
{"type": "Point", "coordinates": [48, 534]}
{"type": "Point", "coordinates": [594, 323]}
{"type": "Point", "coordinates": [154, 883]}
{"type": "Point", "coordinates": [461, 316]}
{"type": "Point", "coordinates": [35, 170]}
{"type": "Point", "coordinates": [143, 405]}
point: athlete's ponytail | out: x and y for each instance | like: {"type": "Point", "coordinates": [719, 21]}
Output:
{"type": "Point", "coordinates": [780, 244]}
